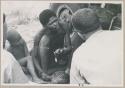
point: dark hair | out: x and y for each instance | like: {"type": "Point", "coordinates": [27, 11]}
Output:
{"type": "Point", "coordinates": [45, 16]}
{"type": "Point", "coordinates": [105, 17]}
{"type": "Point", "coordinates": [85, 20]}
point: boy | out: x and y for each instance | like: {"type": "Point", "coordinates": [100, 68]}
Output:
{"type": "Point", "coordinates": [17, 44]}
{"type": "Point", "coordinates": [20, 51]}
{"type": "Point", "coordinates": [10, 68]}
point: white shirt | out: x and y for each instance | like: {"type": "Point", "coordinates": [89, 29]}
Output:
{"type": "Point", "coordinates": [11, 71]}
{"type": "Point", "coordinates": [6, 67]}
{"type": "Point", "coordinates": [99, 59]}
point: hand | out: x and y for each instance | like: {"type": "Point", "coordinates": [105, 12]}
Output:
{"type": "Point", "coordinates": [58, 52]}
{"type": "Point", "coordinates": [67, 71]}
{"type": "Point", "coordinates": [45, 76]}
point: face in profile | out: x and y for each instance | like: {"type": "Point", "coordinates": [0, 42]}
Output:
{"type": "Point", "coordinates": [65, 15]}
{"type": "Point", "coordinates": [65, 19]}
{"type": "Point", "coordinates": [53, 24]}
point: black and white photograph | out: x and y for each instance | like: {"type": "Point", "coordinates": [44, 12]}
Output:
{"type": "Point", "coordinates": [49, 42]}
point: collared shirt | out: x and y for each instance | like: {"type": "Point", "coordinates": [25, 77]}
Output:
{"type": "Point", "coordinates": [99, 59]}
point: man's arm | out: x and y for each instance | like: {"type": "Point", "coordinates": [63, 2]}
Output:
{"type": "Point", "coordinates": [36, 42]}
{"type": "Point", "coordinates": [37, 66]}
{"type": "Point", "coordinates": [25, 49]}
{"type": "Point", "coordinates": [35, 49]}
{"type": "Point", "coordinates": [39, 36]}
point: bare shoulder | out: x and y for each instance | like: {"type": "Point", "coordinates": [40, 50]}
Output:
{"type": "Point", "coordinates": [45, 40]}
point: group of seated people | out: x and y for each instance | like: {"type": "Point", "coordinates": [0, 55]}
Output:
{"type": "Point", "coordinates": [50, 60]}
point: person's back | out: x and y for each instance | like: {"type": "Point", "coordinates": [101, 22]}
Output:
{"type": "Point", "coordinates": [98, 60]}
{"type": "Point", "coordinates": [102, 56]}
{"type": "Point", "coordinates": [17, 51]}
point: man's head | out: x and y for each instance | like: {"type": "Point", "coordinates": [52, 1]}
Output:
{"type": "Point", "coordinates": [45, 16]}
{"type": "Point", "coordinates": [65, 20]}
{"type": "Point", "coordinates": [13, 36]}
{"type": "Point", "coordinates": [49, 20]}
{"type": "Point", "coordinates": [85, 20]}
{"type": "Point", "coordinates": [105, 17]}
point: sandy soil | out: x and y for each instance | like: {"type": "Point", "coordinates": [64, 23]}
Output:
{"type": "Point", "coordinates": [23, 17]}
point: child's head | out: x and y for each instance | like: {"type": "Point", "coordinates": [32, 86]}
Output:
{"type": "Point", "coordinates": [45, 16]}
{"type": "Point", "coordinates": [13, 36]}
{"type": "Point", "coordinates": [85, 20]}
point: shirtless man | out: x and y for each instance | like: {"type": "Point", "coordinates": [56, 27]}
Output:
{"type": "Point", "coordinates": [48, 42]}
{"type": "Point", "coordinates": [20, 51]}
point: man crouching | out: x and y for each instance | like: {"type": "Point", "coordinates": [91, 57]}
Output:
{"type": "Point", "coordinates": [49, 40]}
